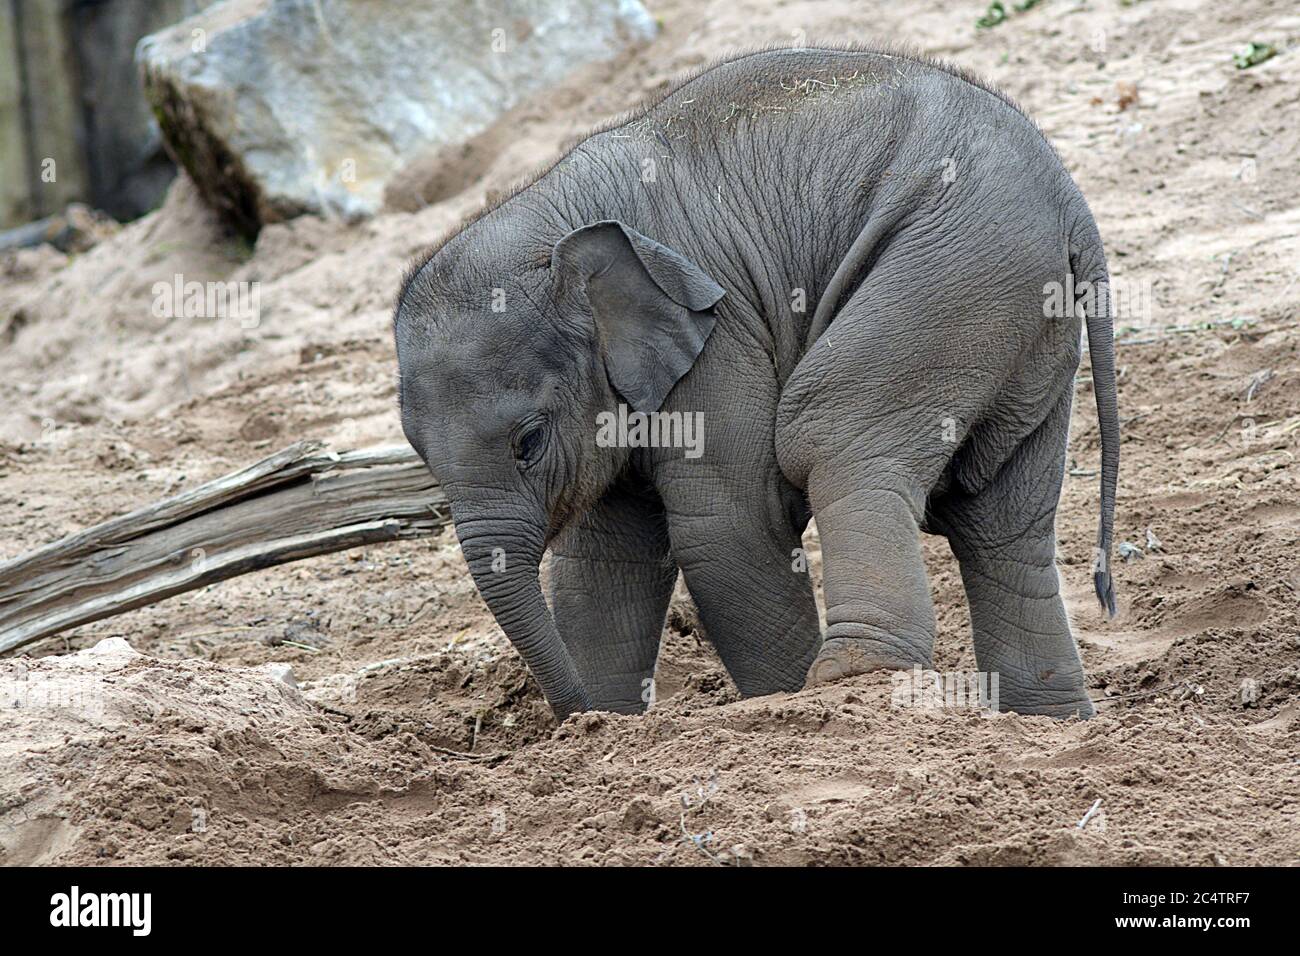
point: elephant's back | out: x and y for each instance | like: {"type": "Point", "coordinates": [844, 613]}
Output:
{"type": "Point", "coordinates": [825, 85]}
{"type": "Point", "coordinates": [804, 125]}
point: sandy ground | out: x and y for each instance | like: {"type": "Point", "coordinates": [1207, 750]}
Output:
{"type": "Point", "coordinates": [414, 734]}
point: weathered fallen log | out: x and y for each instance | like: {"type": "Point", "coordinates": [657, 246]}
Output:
{"type": "Point", "coordinates": [298, 503]}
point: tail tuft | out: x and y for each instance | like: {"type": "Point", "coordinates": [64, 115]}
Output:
{"type": "Point", "coordinates": [1105, 591]}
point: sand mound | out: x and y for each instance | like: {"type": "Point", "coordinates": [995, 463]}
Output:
{"type": "Point", "coordinates": [122, 757]}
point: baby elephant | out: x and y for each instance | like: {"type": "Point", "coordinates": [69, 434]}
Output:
{"type": "Point", "coordinates": [835, 283]}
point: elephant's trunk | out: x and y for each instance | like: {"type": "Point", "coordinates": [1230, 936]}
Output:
{"type": "Point", "coordinates": [504, 555]}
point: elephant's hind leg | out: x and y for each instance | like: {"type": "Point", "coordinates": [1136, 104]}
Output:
{"type": "Point", "coordinates": [1004, 538]}
{"type": "Point", "coordinates": [878, 609]}
{"type": "Point", "coordinates": [863, 426]}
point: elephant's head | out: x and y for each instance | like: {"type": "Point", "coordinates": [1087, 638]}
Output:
{"type": "Point", "coordinates": [508, 349]}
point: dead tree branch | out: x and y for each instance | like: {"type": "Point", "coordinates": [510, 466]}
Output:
{"type": "Point", "coordinates": [298, 503]}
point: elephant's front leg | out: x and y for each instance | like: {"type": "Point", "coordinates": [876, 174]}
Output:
{"type": "Point", "coordinates": [610, 581]}
{"type": "Point", "coordinates": [739, 548]}
{"type": "Point", "coordinates": [736, 523]}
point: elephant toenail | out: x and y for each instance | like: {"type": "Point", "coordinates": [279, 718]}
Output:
{"type": "Point", "coordinates": [824, 670]}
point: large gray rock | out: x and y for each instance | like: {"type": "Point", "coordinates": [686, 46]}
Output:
{"type": "Point", "coordinates": [278, 107]}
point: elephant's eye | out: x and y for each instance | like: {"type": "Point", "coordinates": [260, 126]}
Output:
{"type": "Point", "coordinates": [529, 444]}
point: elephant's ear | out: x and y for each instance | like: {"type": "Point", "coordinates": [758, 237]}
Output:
{"type": "Point", "coordinates": [652, 305]}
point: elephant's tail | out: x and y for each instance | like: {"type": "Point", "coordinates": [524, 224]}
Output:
{"type": "Point", "coordinates": [1090, 266]}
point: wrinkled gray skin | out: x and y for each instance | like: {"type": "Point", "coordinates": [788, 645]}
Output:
{"type": "Point", "coordinates": [921, 388]}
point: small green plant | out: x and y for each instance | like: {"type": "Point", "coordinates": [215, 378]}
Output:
{"type": "Point", "coordinates": [997, 12]}
{"type": "Point", "coordinates": [1253, 54]}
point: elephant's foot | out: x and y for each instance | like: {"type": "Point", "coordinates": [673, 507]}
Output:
{"type": "Point", "coordinates": [1080, 708]}
{"type": "Point", "coordinates": [842, 657]}
{"type": "Point", "coordinates": [1059, 702]}
{"type": "Point", "coordinates": [878, 610]}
